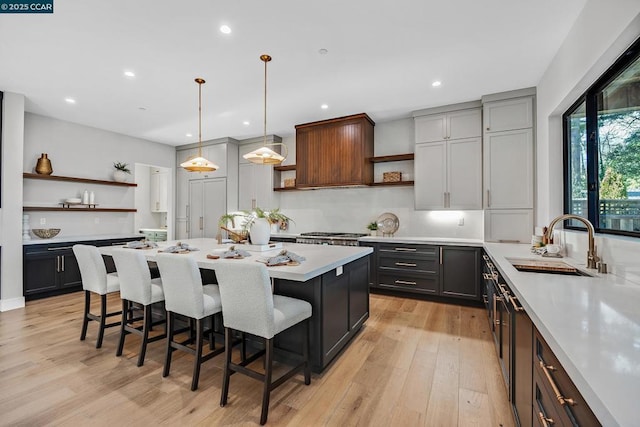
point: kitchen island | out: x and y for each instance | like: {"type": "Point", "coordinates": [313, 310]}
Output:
{"type": "Point", "coordinates": [333, 279]}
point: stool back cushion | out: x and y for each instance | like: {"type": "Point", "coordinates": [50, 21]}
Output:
{"type": "Point", "coordinates": [92, 268]}
{"type": "Point", "coordinates": [182, 285]}
{"type": "Point", "coordinates": [134, 275]}
{"type": "Point", "coordinates": [247, 300]}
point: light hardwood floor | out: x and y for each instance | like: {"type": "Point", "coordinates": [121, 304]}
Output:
{"type": "Point", "coordinates": [415, 363]}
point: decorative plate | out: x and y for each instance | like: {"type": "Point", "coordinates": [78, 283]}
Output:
{"type": "Point", "coordinates": [388, 223]}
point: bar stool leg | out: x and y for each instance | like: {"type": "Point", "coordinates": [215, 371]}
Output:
{"type": "Point", "coordinates": [227, 370]}
{"type": "Point", "coordinates": [125, 309]}
{"type": "Point", "coordinates": [167, 359]}
{"type": "Point", "coordinates": [85, 317]}
{"type": "Point", "coordinates": [305, 353]}
{"type": "Point", "coordinates": [267, 381]}
{"type": "Point", "coordinates": [146, 327]}
{"type": "Point", "coordinates": [198, 356]}
{"type": "Point", "coordinates": [103, 320]}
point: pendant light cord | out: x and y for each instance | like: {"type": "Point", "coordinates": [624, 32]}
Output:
{"type": "Point", "coordinates": [265, 99]}
{"type": "Point", "coordinates": [200, 118]}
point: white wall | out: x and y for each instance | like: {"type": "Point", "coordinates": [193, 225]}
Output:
{"type": "Point", "coordinates": [11, 218]}
{"type": "Point", "coordinates": [603, 30]}
{"type": "Point", "coordinates": [82, 151]}
{"type": "Point", "coordinates": [351, 209]}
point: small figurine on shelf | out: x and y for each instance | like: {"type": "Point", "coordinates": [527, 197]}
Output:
{"type": "Point", "coordinates": [122, 169]}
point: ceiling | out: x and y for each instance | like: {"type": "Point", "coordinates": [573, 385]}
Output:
{"type": "Point", "coordinates": [382, 58]}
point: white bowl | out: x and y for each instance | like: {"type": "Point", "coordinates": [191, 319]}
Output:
{"type": "Point", "coordinates": [74, 200]}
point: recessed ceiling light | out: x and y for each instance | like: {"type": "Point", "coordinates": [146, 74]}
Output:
{"type": "Point", "coordinates": [70, 100]}
{"type": "Point", "coordinates": [246, 123]}
{"type": "Point", "coordinates": [142, 108]}
{"type": "Point", "coordinates": [225, 29]}
{"type": "Point", "coordinates": [324, 106]}
{"type": "Point", "coordinates": [188, 135]}
{"type": "Point", "coordinates": [436, 83]}
{"type": "Point", "coordinates": [323, 51]}
{"type": "Point", "coordinates": [129, 74]}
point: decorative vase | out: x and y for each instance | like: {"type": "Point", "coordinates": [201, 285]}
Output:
{"type": "Point", "coordinates": [373, 233]}
{"type": "Point", "coordinates": [119, 176]}
{"type": "Point", "coordinates": [260, 232]}
{"type": "Point", "coordinates": [43, 166]}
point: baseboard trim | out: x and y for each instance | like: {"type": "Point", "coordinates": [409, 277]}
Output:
{"type": "Point", "coordinates": [11, 304]}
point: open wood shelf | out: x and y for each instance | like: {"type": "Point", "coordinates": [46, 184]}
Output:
{"type": "Point", "coordinates": [284, 168]}
{"type": "Point", "coordinates": [392, 158]}
{"type": "Point", "coordinates": [28, 175]}
{"type": "Point", "coordinates": [285, 189]}
{"type": "Point", "coordinates": [60, 209]}
{"type": "Point", "coordinates": [398, 183]}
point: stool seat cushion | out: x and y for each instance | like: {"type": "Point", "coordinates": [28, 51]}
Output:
{"type": "Point", "coordinates": [212, 302]}
{"type": "Point", "coordinates": [157, 294]}
{"type": "Point", "coordinates": [113, 283]}
{"type": "Point", "coordinates": [289, 311]}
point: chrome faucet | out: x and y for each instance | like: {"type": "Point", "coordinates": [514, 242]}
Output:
{"type": "Point", "coordinates": [592, 256]}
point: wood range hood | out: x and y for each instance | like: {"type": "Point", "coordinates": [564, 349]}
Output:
{"type": "Point", "coordinates": [335, 152]}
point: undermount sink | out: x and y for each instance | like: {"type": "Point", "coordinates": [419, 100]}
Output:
{"type": "Point", "coordinates": [532, 265]}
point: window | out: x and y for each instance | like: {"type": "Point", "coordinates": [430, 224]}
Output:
{"type": "Point", "coordinates": [602, 150]}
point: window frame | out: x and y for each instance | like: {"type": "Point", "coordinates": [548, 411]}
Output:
{"type": "Point", "coordinates": [590, 99]}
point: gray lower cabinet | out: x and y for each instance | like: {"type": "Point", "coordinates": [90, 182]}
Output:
{"type": "Point", "coordinates": [52, 269]}
{"type": "Point", "coordinates": [439, 270]}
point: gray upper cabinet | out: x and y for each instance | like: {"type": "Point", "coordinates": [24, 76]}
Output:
{"type": "Point", "coordinates": [451, 125]}
{"type": "Point", "coordinates": [508, 115]}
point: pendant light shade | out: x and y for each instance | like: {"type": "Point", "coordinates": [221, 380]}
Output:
{"type": "Point", "coordinates": [199, 163]}
{"type": "Point", "coordinates": [265, 155]}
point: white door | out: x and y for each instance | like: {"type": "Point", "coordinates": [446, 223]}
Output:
{"type": "Point", "coordinates": [508, 169]}
{"type": "Point", "coordinates": [464, 174]}
{"type": "Point", "coordinates": [464, 124]}
{"type": "Point", "coordinates": [508, 225]}
{"type": "Point", "coordinates": [509, 114]}
{"type": "Point", "coordinates": [431, 128]}
{"type": "Point", "coordinates": [430, 175]}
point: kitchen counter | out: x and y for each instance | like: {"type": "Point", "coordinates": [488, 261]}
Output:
{"type": "Point", "coordinates": [592, 324]}
{"type": "Point", "coordinates": [63, 239]}
{"type": "Point", "coordinates": [449, 241]}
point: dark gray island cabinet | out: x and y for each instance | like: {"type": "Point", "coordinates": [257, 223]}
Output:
{"type": "Point", "coordinates": [340, 301]}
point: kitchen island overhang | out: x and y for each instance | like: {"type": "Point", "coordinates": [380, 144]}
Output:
{"type": "Point", "coordinates": [333, 279]}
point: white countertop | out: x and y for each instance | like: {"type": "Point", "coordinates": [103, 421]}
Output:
{"type": "Point", "coordinates": [319, 258]}
{"type": "Point", "coordinates": [153, 229]}
{"type": "Point", "coordinates": [63, 239]}
{"type": "Point", "coordinates": [592, 324]}
{"type": "Point", "coordinates": [449, 241]}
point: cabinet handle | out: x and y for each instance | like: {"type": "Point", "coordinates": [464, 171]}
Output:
{"type": "Point", "coordinates": [406, 264]}
{"type": "Point", "coordinates": [546, 422]}
{"type": "Point", "coordinates": [508, 241]}
{"type": "Point", "coordinates": [157, 205]}
{"type": "Point", "coordinates": [253, 203]}
{"type": "Point", "coordinates": [495, 307]}
{"type": "Point", "coordinates": [60, 249]}
{"type": "Point", "coordinates": [485, 299]}
{"type": "Point", "coordinates": [516, 306]}
{"type": "Point", "coordinates": [405, 282]}
{"type": "Point", "coordinates": [62, 259]}
{"type": "Point", "coordinates": [440, 255]}
{"type": "Point", "coordinates": [57, 263]}
{"type": "Point", "coordinates": [201, 223]}
{"type": "Point", "coordinates": [488, 128]}
{"type": "Point", "coordinates": [502, 289]}
{"type": "Point", "coordinates": [485, 257]}
{"type": "Point", "coordinates": [561, 399]}
{"type": "Point", "coordinates": [406, 249]}
{"type": "Point", "coordinates": [488, 198]}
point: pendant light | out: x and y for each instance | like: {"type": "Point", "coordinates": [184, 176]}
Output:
{"type": "Point", "coordinates": [199, 163]}
{"type": "Point", "coordinates": [264, 155]}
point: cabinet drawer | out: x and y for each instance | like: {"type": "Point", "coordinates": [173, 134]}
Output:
{"type": "Point", "coordinates": [426, 251]}
{"type": "Point", "coordinates": [568, 402]}
{"type": "Point", "coordinates": [413, 283]}
{"type": "Point", "coordinates": [408, 264]}
{"type": "Point", "coordinates": [545, 411]}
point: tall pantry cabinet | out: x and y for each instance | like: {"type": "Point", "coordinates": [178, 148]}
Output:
{"type": "Point", "coordinates": [202, 197]}
{"type": "Point", "coordinates": [508, 157]}
{"type": "Point", "coordinates": [448, 157]}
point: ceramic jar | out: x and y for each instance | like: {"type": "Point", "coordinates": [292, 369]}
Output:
{"type": "Point", "coordinates": [260, 232]}
{"type": "Point", "coordinates": [43, 166]}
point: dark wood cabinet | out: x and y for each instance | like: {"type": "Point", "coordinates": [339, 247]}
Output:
{"type": "Point", "coordinates": [373, 262]}
{"type": "Point", "coordinates": [522, 369]}
{"type": "Point", "coordinates": [335, 152]}
{"type": "Point", "coordinates": [340, 306]}
{"type": "Point", "coordinates": [52, 269]}
{"type": "Point", "coordinates": [460, 267]}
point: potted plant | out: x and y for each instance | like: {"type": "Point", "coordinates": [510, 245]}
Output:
{"type": "Point", "coordinates": [373, 228]}
{"type": "Point", "coordinates": [122, 169]}
{"type": "Point", "coordinates": [234, 234]}
{"type": "Point", "coordinates": [258, 222]}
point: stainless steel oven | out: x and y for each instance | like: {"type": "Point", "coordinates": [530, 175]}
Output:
{"type": "Point", "coordinates": [329, 238]}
